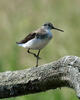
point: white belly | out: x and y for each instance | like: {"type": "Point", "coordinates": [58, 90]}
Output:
{"type": "Point", "coordinates": [35, 43]}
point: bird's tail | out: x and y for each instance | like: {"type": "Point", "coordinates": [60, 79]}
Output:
{"type": "Point", "coordinates": [19, 44]}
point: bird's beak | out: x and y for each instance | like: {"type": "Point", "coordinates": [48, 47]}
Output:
{"type": "Point", "coordinates": [58, 29]}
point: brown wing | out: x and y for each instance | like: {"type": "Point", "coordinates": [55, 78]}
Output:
{"type": "Point", "coordinates": [40, 31]}
{"type": "Point", "coordinates": [27, 38]}
{"type": "Point", "coordinates": [36, 33]}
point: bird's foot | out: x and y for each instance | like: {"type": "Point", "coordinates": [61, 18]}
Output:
{"type": "Point", "coordinates": [36, 66]}
{"type": "Point", "coordinates": [37, 56]}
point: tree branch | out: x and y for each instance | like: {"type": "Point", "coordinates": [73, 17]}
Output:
{"type": "Point", "coordinates": [61, 73]}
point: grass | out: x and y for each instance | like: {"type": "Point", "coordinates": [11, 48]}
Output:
{"type": "Point", "coordinates": [19, 17]}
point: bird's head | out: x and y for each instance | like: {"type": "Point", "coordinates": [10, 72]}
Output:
{"type": "Point", "coordinates": [50, 26]}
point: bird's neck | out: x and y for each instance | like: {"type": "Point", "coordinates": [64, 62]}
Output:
{"type": "Point", "coordinates": [48, 32]}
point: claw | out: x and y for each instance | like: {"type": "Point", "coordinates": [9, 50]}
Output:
{"type": "Point", "coordinates": [36, 66]}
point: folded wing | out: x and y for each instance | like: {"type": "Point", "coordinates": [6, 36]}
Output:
{"type": "Point", "coordinates": [36, 33]}
{"type": "Point", "coordinates": [27, 38]}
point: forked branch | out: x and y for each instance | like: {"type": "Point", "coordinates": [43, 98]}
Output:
{"type": "Point", "coordinates": [60, 73]}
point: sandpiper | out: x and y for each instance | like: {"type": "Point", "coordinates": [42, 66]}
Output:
{"type": "Point", "coordinates": [38, 39]}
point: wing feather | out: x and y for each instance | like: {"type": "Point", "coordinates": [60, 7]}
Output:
{"type": "Point", "coordinates": [27, 38]}
{"type": "Point", "coordinates": [36, 33]}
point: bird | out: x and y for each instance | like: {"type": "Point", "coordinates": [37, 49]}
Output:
{"type": "Point", "coordinates": [38, 39]}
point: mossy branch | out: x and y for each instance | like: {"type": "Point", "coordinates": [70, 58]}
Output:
{"type": "Point", "coordinates": [64, 72]}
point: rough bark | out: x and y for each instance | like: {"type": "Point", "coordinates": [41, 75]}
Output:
{"type": "Point", "coordinates": [64, 72]}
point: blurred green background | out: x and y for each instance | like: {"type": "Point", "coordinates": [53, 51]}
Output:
{"type": "Point", "coordinates": [19, 17]}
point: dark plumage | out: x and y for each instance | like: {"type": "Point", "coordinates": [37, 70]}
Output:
{"type": "Point", "coordinates": [27, 38]}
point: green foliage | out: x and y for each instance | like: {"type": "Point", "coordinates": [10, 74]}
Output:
{"type": "Point", "coordinates": [19, 17]}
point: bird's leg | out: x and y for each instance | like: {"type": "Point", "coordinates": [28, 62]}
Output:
{"type": "Point", "coordinates": [31, 53]}
{"type": "Point", "coordinates": [37, 58]}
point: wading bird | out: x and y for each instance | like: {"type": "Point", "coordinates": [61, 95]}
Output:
{"type": "Point", "coordinates": [38, 39]}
